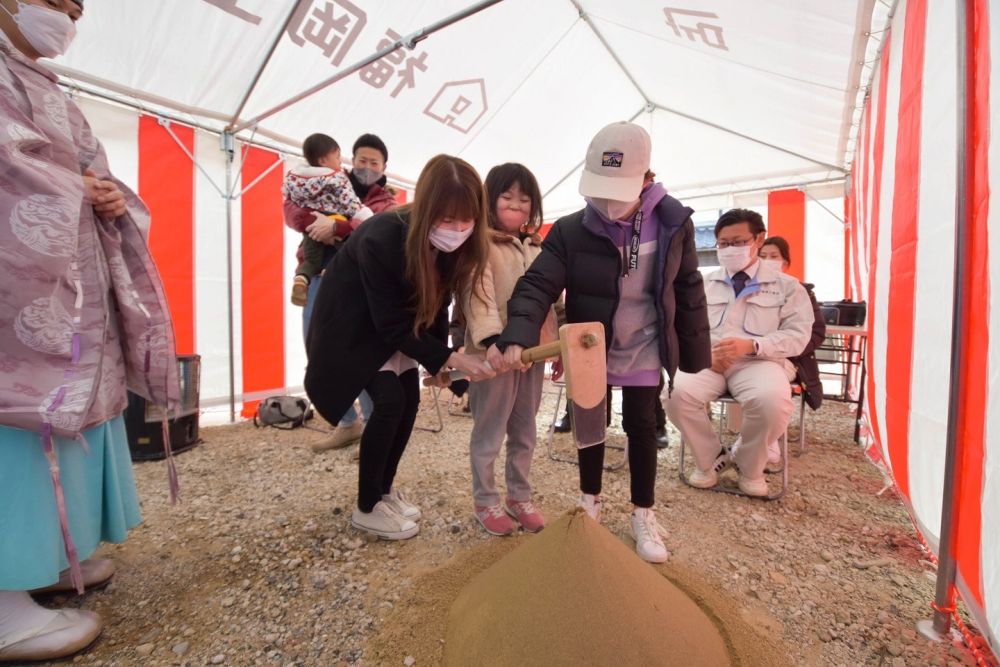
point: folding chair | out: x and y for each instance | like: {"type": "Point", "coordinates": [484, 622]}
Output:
{"type": "Point", "coordinates": [435, 393]}
{"type": "Point", "coordinates": [727, 399]}
{"type": "Point", "coordinates": [555, 456]}
{"type": "Point", "coordinates": [799, 390]}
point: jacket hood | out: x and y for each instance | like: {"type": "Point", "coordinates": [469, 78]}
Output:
{"type": "Point", "coordinates": [307, 171]}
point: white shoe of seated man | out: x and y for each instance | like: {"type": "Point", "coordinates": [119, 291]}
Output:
{"type": "Point", "coordinates": [774, 463]}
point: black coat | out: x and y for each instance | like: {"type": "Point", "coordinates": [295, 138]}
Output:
{"type": "Point", "coordinates": [363, 315]}
{"type": "Point", "coordinates": [578, 256]}
{"type": "Point", "coordinates": [806, 366]}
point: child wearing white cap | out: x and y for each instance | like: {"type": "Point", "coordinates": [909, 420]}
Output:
{"type": "Point", "coordinates": [626, 260]}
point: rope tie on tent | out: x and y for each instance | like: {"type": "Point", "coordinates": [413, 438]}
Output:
{"type": "Point", "coordinates": [967, 637]}
{"type": "Point", "coordinates": [952, 610]}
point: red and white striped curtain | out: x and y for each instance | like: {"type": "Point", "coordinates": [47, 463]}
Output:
{"type": "Point", "coordinates": [180, 174]}
{"type": "Point", "coordinates": [901, 243]}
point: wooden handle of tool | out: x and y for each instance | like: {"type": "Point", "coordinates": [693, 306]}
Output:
{"type": "Point", "coordinates": [528, 356]}
{"type": "Point", "coordinates": [547, 351]}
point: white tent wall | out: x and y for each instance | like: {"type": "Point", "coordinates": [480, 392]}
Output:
{"type": "Point", "coordinates": [878, 309]}
{"type": "Point", "coordinates": [824, 258]}
{"type": "Point", "coordinates": [212, 280]}
{"type": "Point", "coordinates": [118, 129]}
{"type": "Point", "coordinates": [914, 261]}
{"type": "Point", "coordinates": [295, 349]}
{"type": "Point", "coordinates": [934, 278]}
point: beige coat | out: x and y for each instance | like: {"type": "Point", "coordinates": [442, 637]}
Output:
{"type": "Point", "coordinates": [485, 308]}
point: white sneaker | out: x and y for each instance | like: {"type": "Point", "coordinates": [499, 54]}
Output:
{"type": "Point", "coordinates": [591, 504]}
{"type": "Point", "coordinates": [774, 463]}
{"type": "Point", "coordinates": [706, 479]}
{"type": "Point", "coordinates": [753, 487]}
{"type": "Point", "coordinates": [400, 504]}
{"type": "Point", "coordinates": [384, 522]}
{"type": "Point", "coordinates": [645, 530]}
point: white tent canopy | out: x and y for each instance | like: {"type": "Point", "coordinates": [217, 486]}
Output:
{"type": "Point", "coordinates": [736, 95]}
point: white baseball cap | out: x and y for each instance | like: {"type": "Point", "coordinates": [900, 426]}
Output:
{"type": "Point", "coordinates": [617, 162]}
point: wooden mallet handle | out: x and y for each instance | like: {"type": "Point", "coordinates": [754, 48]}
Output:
{"type": "Point", "coordinates": [528, 356]}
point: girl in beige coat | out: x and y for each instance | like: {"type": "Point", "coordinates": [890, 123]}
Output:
{"type": "Point", "coordinates": [506, 404]}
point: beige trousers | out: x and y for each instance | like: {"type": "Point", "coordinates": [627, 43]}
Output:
{"type": "Point", "coordinates": [761, 387]}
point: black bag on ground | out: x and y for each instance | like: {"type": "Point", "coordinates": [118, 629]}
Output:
{"type": "Point", "coordinates": [285, 412]}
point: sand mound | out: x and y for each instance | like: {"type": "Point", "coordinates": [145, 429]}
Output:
{"type": "Point", "coordinates": [575, 594]}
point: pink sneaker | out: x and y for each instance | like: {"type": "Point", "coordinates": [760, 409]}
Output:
{"type": "Point", "coordinates": [526, 514]}
{"type": "Point", "coordinates": [495, 521]}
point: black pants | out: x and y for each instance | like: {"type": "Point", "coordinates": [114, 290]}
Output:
{"type": "Point", "coordinates": [395, 400]}
{"type": "Point", "coordinates": [661, 415]}
{"type": "Point", "coordinates": [639, 422]}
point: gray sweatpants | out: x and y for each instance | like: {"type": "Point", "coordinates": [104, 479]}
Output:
{"type": "Point", "coordinates": [506, 404]}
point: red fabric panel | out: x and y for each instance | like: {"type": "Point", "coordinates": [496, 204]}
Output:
{"type": "Point", "coordinates": [903, 246]}
{"type": "Point", "coordinates": [786, 217]}
{"type": "Point", "coordinates": [543, 231]}
{"type": "Point", "coordinates": [166, 184]}
{"type": "Point", "coordinates": [972, 394]}
{"type": "Point", "coordinates": [872, 235]}
{"type": "Point", "coordinates": [401, 196]}
{"type": "Point", "coordinates": [262, 271]}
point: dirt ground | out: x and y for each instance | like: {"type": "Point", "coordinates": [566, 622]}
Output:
{"type": "Point", "coordinates": [258, 564]}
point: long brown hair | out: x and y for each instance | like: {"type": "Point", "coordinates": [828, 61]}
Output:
{"type": "Point", "coordinates": [448, 187]}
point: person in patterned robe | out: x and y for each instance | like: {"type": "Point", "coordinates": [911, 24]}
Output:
{"type": "Point", "coordinates": [82, 317]}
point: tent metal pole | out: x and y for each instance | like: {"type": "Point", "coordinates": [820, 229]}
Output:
{"type": "Point", "coordinates": [761, 142]}
{"type": "Point", "coordinates": [632, 80]}
{"type": "Point", "coordinates": [265, 62]}
{"type": "Point", "coordinates": [762, 188]}
{"type": "Point", "coordinates": [618, 61]}
{"type": "Point", "coordinates": [944, 598]}
{"type": "Point", "coordinates": [229, 147]}
{"type": "Point", "coordinates": [409, 41]}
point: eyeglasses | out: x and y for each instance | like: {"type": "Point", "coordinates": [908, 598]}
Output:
{"type": "Point", "coordinates": [737, 243]}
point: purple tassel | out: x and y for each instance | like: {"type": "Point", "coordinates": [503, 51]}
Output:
{"type": "Point", "coordinates": [75, 573]}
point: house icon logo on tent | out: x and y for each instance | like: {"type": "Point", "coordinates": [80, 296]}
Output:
{"type": "Point", "coordinates": [459, 104]}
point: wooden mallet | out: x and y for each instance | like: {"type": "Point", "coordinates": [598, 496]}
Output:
{"type": "Point", "coordinates": [585, 368]}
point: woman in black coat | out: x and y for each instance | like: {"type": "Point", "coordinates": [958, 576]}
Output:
{"type": "Point", "coordinates": [382, 308]}
{"type": "Point", "coordinates": [775, 249]}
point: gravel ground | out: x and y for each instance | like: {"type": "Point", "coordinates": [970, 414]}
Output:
{"type": "Point", "coordinates": [258, 564]}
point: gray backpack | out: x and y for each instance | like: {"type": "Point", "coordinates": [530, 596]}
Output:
{"type": "Point", "coordinates": [285, 412]}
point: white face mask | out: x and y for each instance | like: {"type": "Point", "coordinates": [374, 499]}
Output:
{"type": "Point", "coordinates": [512, 219]}
{"type": "Point", "coordinates": [734, 259]}
{"type": "Point", "coordinates": [448, 240]}
{"type": "Point", "coordinates": [49, 31]}
{"type": "Point", "coordinates": [611, 208]}
{"type": "Point", "coordinates": [775, 264]}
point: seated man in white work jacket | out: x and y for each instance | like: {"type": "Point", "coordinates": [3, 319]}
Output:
{"type": "Point", "coordinates": [759, 317]}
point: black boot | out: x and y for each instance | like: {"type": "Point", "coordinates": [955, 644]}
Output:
{"type": "Point", "coordinates": [662, 441]}
{"type": "Point", "coordinates": [563, 425]}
